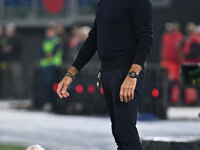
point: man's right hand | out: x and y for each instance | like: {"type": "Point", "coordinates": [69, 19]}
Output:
{"type": "Point", "coordinates": [62, 87]}
{"type": "Point", "coordinates": [65, 82]}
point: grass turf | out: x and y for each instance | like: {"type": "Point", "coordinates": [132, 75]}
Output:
{"type": "Point", "coordinates": [8, 147]}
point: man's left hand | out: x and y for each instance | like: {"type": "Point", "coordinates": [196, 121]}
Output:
{"type": "Point", "coordinates": [127, 89]}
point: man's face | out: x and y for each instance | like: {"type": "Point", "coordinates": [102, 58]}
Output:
{"type": "Point", "coordinates": [50, 33]}
{"type": "Point", "coordinates": [191, 28]}
{"type": "Point", "coordinates": [10, 32]}
{"type": "Point", "coordinates": [169, 27]}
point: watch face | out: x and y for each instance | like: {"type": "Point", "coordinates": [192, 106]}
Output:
{"type": "Point", "coordinates": [133, 74]}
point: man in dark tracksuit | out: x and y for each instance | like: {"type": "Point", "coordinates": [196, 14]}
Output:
{"type": "Point", "coordinates": [122, 35]}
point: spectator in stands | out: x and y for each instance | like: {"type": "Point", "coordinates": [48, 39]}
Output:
{"type": "Point", "coordinates": [64, 38]}
{"type": "Point", "coordinates": [74, 39]}
{"type": "Point", "coordinates": [13, 83]}
{"type": "Point", "coordinates": [171, 55]}
{"type": "Point", "coordinates": [78, 36]}
{"type": "Point", "coordinates": [83, 34]}
{"type": "Point", "coordinates": [180, 40]}
{"type": "Point", "coordinates": [191, 48]}
{"type": "Point", "coordinates": [50, 62]}
{"type": "Point", "coordinates": [191, 51]}
{"type": "Point", "coordinates": [73, 42]}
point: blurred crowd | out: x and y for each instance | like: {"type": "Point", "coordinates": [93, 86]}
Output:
{"type": "Point", "coordinates": [10, 65]}
{"type": "Point", "coordinates": [60, 46]}
{"type": "Point", "coordinates": [56, 48]}
{"type": "Point", "coordinates": [177, 50]}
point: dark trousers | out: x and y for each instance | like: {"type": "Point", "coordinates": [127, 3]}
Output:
{"type": "Point", "coordinates": [123, 115]}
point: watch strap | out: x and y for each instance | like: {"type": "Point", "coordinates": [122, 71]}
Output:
{"type": "Point", "coordinates": [70, 75]}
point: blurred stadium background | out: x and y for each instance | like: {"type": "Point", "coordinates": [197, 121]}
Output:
{"type": "Point", "coordinates": [39, 40]}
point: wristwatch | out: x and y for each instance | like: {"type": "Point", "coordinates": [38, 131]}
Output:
{"type": "Point", "coordinates": [133, 74]}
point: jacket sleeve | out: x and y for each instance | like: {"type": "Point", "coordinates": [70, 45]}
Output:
{"type": "Point", "coordinates": [87, 50]}
{"type": "Point", "coordinates": [141, 14]}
